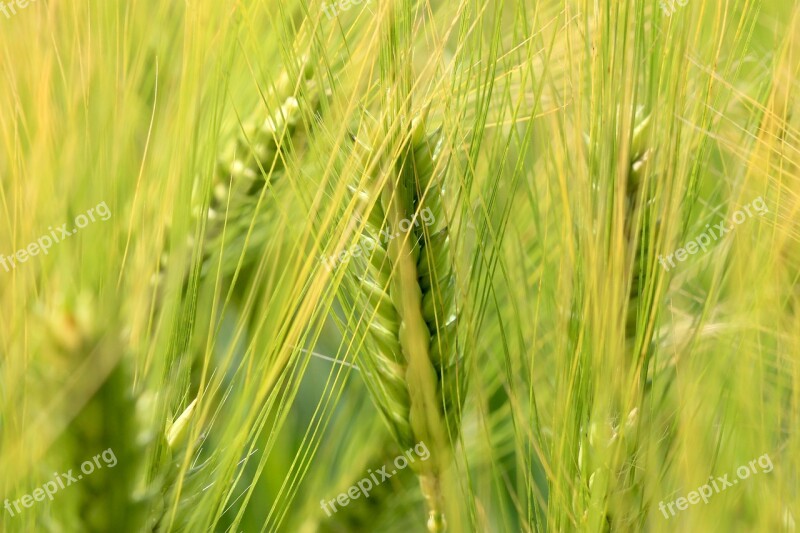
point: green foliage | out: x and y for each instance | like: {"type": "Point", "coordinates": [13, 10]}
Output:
{"type": "Point", "coordinates": [245, 337]}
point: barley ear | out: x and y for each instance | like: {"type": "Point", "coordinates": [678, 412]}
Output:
{"type": "Point", "coordinates": [255, 159]}
{"type": "Point", "coordinates": [608, 450]}
{"type": "Point", "coordinates": [105, 420]}
{"type": "Point", "coordinates": [251, 160]}
{"type": "Point", "coordinates": [180, 488]}
{"type": "Point", "coordinates": [405, 290]}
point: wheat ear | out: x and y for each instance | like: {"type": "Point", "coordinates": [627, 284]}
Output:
{"type": "Point", "coordinates": [405, 289]}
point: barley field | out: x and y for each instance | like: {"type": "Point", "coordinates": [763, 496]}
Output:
{"type": "Point", "coordinates": [399, 266]}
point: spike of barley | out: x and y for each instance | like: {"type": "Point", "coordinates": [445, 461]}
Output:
{"type": "Point", "coordinates": [247, 163]}
{"type": "Point", "coordinates": [610, 459]}
{"type": "Point", "coordinates": [257, 155]}
{"type": "Point", "coordinates": [406, 288]}
{"type": "Point", "coordinates": [187, 487]}
{"type": "Point", "coordinates": [133, 495]}
{"type": "Point", "coordinates": [112, 421]}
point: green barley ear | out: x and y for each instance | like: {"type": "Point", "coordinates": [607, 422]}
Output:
{"type": "Point", "coordinates": [179, 429]}
{"type": "Point", "coordinates": [252, 160]}
{"type": "Point", "coordinates": [256, 158]}
{"type": "Point", "coordinates": [602, 441]}
{"type": "Point", "coordinates": [105, 439]}
{"type": "Point", "coordinates": [237, 213]}
{"type": "Point", "coordinates": [403, 293]}
{"type": "Point", "coordinates": [638, 237]}
{"type": "Point", "coordinates": [186, 487]}
{"type": "Point", "coordinates": [607, 454]}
